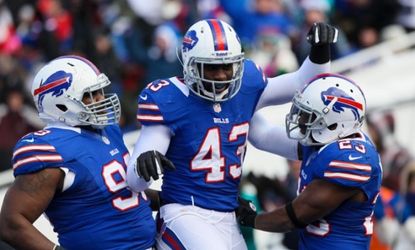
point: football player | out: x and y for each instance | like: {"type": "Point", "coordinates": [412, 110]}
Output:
{"type": "Point", "coordinates": [200, 123]}
{"type": "Point", "coordinates": [74, 170]}
{"type": "Point", "coordinates": [340, 174]}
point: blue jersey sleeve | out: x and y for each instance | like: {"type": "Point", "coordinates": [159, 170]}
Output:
{"type": "Point", "coordinates": [254, 77]}
{"type": "Point", "coordinates": [32, 154]}
{"type": "Point", "coordinates": [148, 111]}
{"type": "Point", "coordinates": [346, 166]}
{"type": "Point", "coordinates": [161, 102]}
{"type": "Point", "coordinates": [254, 82]}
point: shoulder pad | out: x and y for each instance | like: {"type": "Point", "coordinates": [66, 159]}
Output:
{"type": "Point", "coordinates": [32, 153]}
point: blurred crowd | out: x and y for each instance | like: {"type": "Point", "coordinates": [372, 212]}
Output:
{"type": "Point", "coordinates": [134, 42]}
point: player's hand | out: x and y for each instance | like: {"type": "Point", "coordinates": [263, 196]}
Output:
{"type": "Point", "coordinates": [246, 213]}
{"type": "Point", "coordinates": [152, 164]}
{"type": "Point", "coordinates": [322, 33]}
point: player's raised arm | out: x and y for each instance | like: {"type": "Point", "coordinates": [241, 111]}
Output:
{"type": "Point", "coordinates": [282, 88]}
{"type": "Point", "coordinates": [272, 138]}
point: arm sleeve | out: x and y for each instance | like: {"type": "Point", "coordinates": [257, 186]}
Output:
{"type": "Point", "coordinates": [156, 137]}
{"type": "Point", "coordinates": [335, 166]}
{"type": "Point", "coordinates": [281, 89]}
{"type": "Point", "coordinates": [30, 157]}
{"type": "Point", "coordinates": [271, 138]}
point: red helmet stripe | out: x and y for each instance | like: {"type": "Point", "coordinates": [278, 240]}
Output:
{"type": "Point", "coordinates": [218, 33]}
{"type": "Point", "coordinates": [50, 85]}
{"type": "Point", "coordinates": [347, 101]}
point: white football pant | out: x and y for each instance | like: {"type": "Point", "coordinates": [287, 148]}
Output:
{"type": "Point", "coordinates": [194, 228]}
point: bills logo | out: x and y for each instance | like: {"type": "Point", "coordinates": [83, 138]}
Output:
{"type": "Point", "coordinates": [56, 84]}
{"type": "Point", "coordinates": [190, 40]}
{"type": "Point", "coordinates": [343, 102]}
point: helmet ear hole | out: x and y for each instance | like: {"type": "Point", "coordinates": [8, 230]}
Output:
{"type": "Point", "coordinates": [62, 107]}
{"type": "Point", "coordinates": [332, 126]}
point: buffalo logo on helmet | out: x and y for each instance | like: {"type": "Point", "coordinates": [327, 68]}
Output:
{"type": "Point", "coordinates": [56, 84]}
{"type": "Point", "coordinates": [190, 40]}
{"type": "Point", "coordinates": [343, 101]}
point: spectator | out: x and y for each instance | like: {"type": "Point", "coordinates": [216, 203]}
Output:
{"type": "Point", "coordinates": [162, 58]}
{"type": "Point", "coordinates": [352, 15]}
{"type": "Point", "coordinates": [394, 157]}
{"type": "Point", "coordinates": [9, 41]}
{"type": "Point", "coordinates": [251, 18]}
{"type": "Point", "coordinates": [406, 237]}
{"type": "Point", "coordinates": [389, 212]}
{"type": "Point", "coordinates": [406, 14]}
{"type": "Point", "coordinates": [317, 11]}
{"type": "Point", "coordinates": [272, 51]}
{"type": "Point", "coordinates": [16, 120]}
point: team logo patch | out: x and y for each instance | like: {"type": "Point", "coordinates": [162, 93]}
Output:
{"type": "Point", "coordinates": [190, 40]}
{"type": "Point", "coordinates": [343, 102]}
{"type": "Point", "coordinates": [56, 84]}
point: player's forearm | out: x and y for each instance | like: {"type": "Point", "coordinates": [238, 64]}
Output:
{"type": "Point", "coordinates": [275, 221]}
{"type": "Point", "coordinates": [272, 138]}
{"type": "Point", "coordinates": [21, 234]}
{"type": "Point", "coordinates": [309, 70]}
{"type": "Point", "coordinates": [136, 183]}
{"type": "Point", "coordinates": [281, 89]}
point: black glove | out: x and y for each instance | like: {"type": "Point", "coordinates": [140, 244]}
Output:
{"type": "Point", "coordinates": [246, 213]}
{"type": "Point", "coordinates": [152, 164]}
{"type": "Point", "coordinates": [322, 33]}
{"type": "Point", "coordinates": [320, 36]}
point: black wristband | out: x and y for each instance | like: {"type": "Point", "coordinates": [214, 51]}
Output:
{"type": "Point", "coordinates": [320, 54]}
{"type": "Point", "coordinates": [291, 214]}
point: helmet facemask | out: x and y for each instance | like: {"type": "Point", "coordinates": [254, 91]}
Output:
{"type": "Point", "coordinates": [214, 90]}
{"type": "Point", "coordinates": [99, 113]}
{"type": "Point", "coordinates": [301, 121]}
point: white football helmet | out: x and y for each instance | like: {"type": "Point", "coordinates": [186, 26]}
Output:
{"type": "Point", "coordinates": [58, 89]}
{"type": "Point", "coordinates": [330, 107]}
{"type": "Point", "coordinates": [211, 41]}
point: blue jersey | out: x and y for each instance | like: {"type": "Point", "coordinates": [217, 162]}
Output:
{"type": "Point", "coordinates": [97, 211]}
{"type": "Point", "coordinates": [352, 163]}
{"type": "Point", "coordinates": [209, 139]}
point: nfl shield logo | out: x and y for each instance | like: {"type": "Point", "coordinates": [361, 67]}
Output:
{"type": "Point", "coordinates": [217, 108]}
